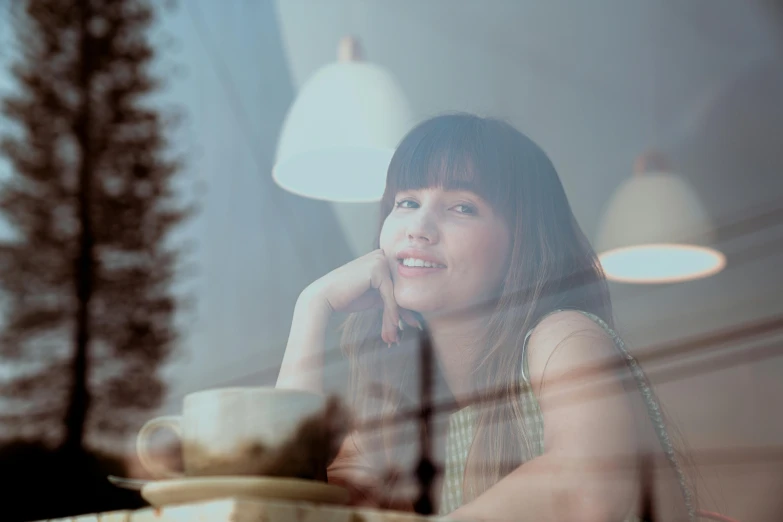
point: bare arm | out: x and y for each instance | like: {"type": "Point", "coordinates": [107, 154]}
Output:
{"type": "Point", "coordinates": [587, 472]}
{"type": "Point", "coordinates": [302, 366]}
{"type": "Point", "coordinates": [352, 470]}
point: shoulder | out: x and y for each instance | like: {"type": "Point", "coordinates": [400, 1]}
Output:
{"type": "Point", "coordinates": [567, 341]}
{"type": "Point", "coordinates": [564, 324]}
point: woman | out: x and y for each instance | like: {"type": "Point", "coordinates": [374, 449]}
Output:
{"type": "Point", "coordinates": [479, 245]}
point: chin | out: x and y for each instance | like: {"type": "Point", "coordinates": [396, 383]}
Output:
{"type": "Point", "coordinates": [441, 306]}
{"type": "Point", "coordinates": [418, 301]}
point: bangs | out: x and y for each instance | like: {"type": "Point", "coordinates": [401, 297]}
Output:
{"type": "Point", "coordinates": [457, 154]}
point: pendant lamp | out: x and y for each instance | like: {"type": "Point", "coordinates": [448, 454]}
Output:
{"type": "Point", "coordinates": [341, 131]}
{"type": "Point", "coordinates": [655, 229]}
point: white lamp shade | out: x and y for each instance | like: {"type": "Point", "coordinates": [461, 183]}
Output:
{"type": "Point", "coordinates": [655, 230]}
{"type": "Point", "coordinates": [340, 133]}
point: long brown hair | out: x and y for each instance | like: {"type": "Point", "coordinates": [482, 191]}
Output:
{"type": "Point", "coordinates": [551, 266]}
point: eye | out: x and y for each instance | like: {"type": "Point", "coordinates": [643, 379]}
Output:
{"type": "Point", "coordinates": [464, 208]}
{"type": "Point", "coordinates": [406, 203]}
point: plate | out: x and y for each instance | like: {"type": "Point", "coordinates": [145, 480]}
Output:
{"type": "Point", "coordinates": [128, 483]}
{"type": "Point", "coordinates": [197, 489]}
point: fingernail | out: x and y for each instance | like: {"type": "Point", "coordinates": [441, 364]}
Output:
{"type": "Point", "coordinates": [400, 324]}
{"type": "Point", "coordinates": [418, 324]}
{"type": "Point", "coordinates": [388, 345]}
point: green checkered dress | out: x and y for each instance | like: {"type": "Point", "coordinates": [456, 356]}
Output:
{"type": "Point", "coordinates": [462, 425]}
{"type": "Point", "coordinates": [460, 436]}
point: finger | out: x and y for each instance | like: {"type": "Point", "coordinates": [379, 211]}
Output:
{"type": "Point", "coordinates": [381, 280]}
{"type": "Point", "coordinates": [390, 314]}
{"type": "Point", "coordinates": [391, 317]}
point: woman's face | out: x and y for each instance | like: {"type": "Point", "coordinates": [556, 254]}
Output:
{"type": "Point", "coordinates": [461, 242]}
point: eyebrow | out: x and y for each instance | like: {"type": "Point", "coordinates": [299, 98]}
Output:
{"type": "Point", "coordinates": [469, 194]}
{"type": "Point", "coordinates": [472, 195]}
{"type": "Point", "coordinates": [450, 191]}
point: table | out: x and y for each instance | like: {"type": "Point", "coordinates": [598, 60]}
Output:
{"type": "Point", "coordinates": [241, 510]}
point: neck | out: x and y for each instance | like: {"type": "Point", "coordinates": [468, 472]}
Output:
{"type": "Point", "coordinates": [454, 340]}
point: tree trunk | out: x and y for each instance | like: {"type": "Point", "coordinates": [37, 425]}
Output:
{"type": "Point", "coordinates": [79, 396]}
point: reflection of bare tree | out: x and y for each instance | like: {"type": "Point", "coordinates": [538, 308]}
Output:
{"type": "Point", "coordinates": [86, 276]}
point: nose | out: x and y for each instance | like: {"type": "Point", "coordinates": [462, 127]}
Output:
{"type": "Point", "coordinates": [423, 227]}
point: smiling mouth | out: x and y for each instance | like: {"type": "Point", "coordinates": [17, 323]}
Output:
{"type": "Point", "coordinates": [410, 262]}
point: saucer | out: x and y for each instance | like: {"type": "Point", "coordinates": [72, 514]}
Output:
{"type": "Point", "coordinates": [195, 489]}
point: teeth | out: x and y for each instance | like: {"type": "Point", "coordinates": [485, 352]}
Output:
{"type": "Point", "coordinates": [410, 261]}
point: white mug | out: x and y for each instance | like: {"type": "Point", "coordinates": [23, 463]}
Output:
{"type": "Point", "coordinates": [221, 429]}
